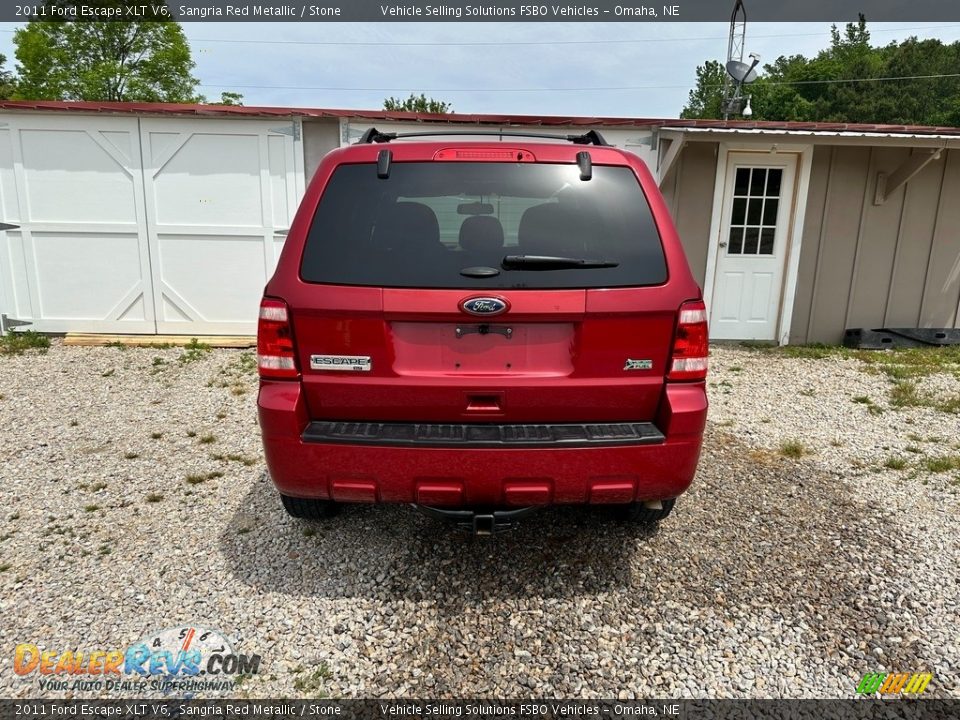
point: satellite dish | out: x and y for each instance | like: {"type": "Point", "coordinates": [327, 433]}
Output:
{"type": "Point", "coordinates": [741, 72]}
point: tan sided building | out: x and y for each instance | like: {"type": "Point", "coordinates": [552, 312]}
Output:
{"type": "Point", "coordinates": [155, 218]}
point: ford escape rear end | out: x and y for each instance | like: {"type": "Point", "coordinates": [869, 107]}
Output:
{"type": "Point", "coordinates": [475, 327]}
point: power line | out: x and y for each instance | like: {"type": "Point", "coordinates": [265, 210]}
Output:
{"type": "Point", "coordinates": [488, 43]}
{"type": "Point", "coordinates": [570, 89]}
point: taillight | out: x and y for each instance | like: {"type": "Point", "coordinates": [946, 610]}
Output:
{"type": "Point", "coordinates": [276, 354]}
{"type": "Point", "coordinates": [690, 348]}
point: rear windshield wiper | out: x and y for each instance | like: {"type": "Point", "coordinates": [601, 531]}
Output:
{"type": "Point", "coordinates": [549, 262]}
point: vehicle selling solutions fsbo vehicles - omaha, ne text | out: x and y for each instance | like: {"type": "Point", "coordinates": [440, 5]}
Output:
{"type": "Point", "coordinates": [482, 328]}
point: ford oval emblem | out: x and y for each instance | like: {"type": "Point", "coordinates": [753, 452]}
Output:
{"type": "Point", "coordinates": [484, 306]}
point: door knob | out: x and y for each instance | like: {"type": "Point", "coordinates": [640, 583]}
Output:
{"type": "Point", "coordinates": [723, 243]}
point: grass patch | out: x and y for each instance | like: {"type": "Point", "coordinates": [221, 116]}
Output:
{"type": "Point", "coordinates": [193, 351]}
{"type": "Point", "coordinates": [74, 423]}
{"type": "Point", "coordinates": [236, 374]}
{"type": "Point", "coordinates": [906, 363]}
{"type": "Point", "coordinates": [895, 463]}
{"type": "Point", "coordinates": [208, 439]}
{"type": "Point", "coordinates": [944, 463]}
{"type": "Point", "coordinates": [735, 368]}
{"type": "Point", "coordinates": [98, 486]}
{"type": "Point", "coordinates": [17, 343]}
{"type": "Point", "coordinates": [313, 682]}
{"type": "Point", "coordinates": [793, 449]}
{"type": "Point", "coordinates": [950, 405]}
{"type": "Point", "coordinates": [91, 508]}
{"type": "Point", "coordinates": [871, 406]}
{"type": "Point", "coordinates": [156, 435]}
{"type": "Point", "coordinates": [191, 433]}
{"type": "Point", "coordinates": [905, 393]}
{"type": "Point", "coordinates": [5, 566]}
{"type": "Point", "coordinates": [197, 478]}
{"type": "Point", "coordinates": [913, 449]}
{"type": "Point", "coordinates": [154, 497]}
{"type": "Point", "coordinates": [243, 459]}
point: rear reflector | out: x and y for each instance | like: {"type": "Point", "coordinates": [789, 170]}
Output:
{"type": "Point", "coordinates": [276, 353]}
{"type": "Point", "coordinates": [690, 346]}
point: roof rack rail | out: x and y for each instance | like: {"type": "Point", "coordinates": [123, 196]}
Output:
{"type": "Point", "coordinates": [372, 135]}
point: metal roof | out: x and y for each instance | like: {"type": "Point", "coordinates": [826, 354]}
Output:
{"type": "Point", "coordinates": [739, 126]}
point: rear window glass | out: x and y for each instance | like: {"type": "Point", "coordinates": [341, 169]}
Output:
{"type": "Point", "coordinates": [429, 221]}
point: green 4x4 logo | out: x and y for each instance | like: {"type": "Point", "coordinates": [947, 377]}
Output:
{"type": "Point", "coordinates": [894, 683]}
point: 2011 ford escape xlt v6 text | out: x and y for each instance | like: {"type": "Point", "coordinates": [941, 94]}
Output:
{"type": "Point", "coordinates": [481, 328]}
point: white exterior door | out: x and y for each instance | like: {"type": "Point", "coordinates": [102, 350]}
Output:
{"type": "Point", "coordinates": [752, 246]}
{"type": "Point", "coordinates": [220, 198]}
{"type": "Point", "coordinates": [79, 259]}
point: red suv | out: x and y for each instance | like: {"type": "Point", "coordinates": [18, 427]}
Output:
{"type": "Point", "coordinates": [482, 328]}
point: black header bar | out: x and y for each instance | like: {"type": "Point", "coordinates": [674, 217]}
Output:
{"type": "Point", "coordinates": [647, 11]}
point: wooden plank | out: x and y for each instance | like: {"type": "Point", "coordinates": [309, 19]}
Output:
{"type": "Point", "coordinates": [220, 341]}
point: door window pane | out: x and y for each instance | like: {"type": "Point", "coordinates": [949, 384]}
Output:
{"type": "Point", "coordinates": [766, 241]}
{"type": "Point", "coordinates": [736, 241]}
{"type": "Point", "coordinates": [751, 240]}
{"type": "Point", "coordinates": [758, 180]}
{"type": "Point", "coordinates": [770, 211]}
{"type": "Point", "coordinates": [773, 182]}
{"type": "Point", "coordinates": [742, 181]}
{"type": "Point", "coordinates": [739, 211]}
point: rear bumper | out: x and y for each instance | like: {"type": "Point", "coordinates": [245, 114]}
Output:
{"type": "Point", "coordinates": [489, 476]}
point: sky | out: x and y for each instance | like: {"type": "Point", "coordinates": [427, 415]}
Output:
{"type": "Point", "coordinates": [592, 69]}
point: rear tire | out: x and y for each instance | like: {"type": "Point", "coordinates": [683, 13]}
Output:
{"type": "Point", "coordinates": [642, 515]}
{"type": "Point", "coordinates": [308, 508]}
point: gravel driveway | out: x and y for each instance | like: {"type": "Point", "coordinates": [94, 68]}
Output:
{"type": "Point", "coordinates": [134, 498]}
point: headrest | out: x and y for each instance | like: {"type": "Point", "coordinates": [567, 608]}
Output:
{"type": "Point", "coordinates": [551, 229]}
{"type": "Point", "coordinates": [481, 234]}
{"type": "Point", "coordinates": [408, 226]}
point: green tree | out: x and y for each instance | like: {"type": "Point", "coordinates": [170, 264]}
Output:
{"type": "Point", "coordinates": [416, 103]}
{"type": "Point", "coordinates": [820, 88]}
{"type": "Point", "coordinates": [230, 98]}
{"type": "Point", "coordinates": [146, 61]}
{"type": "Point", "coordinates": [8, 84]}
{"type": "Point", "coordinates": [706, 98]}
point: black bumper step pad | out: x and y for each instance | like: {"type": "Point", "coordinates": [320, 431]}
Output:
{"type": "Point", "coordinates": [482, 435]}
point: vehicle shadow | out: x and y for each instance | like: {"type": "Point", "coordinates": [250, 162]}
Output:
{"type": "Point", "coordinates": [393, 552]}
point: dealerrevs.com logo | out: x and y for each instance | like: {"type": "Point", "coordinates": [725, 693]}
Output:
{"type": "Point", "coordinates": [184, 659]}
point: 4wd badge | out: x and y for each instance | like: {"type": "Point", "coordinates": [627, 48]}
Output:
{"type": "Point", "coordinates": [638, 364]}
{"type": "Point", "coordinates": [350, 363]}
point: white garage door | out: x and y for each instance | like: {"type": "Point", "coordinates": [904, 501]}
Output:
{"type": "Point", "coordinates": [220, 198]}
{"type": "Point", "coordinates": [79, 259]}
{"type": "Point", "coordinates": [143, 225]}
